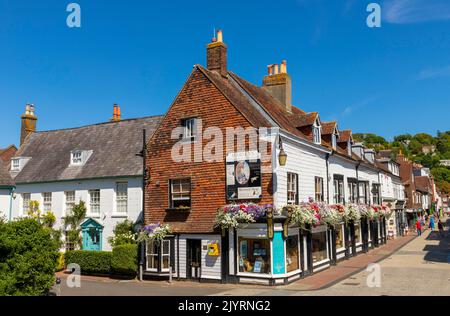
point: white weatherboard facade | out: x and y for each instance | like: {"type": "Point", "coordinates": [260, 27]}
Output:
{"type": "Point", "coordinates": [108, 216]}
{"type": "Point", "coordinates": [306, 161]}
{"type": "Point", "coordinates": [340, 166]}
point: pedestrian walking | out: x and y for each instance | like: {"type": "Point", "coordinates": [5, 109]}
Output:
{"type": "Point", "coordinates": [441, 228]}
{"type": "Point", "coordinates": [419, 227]}
{"type": "Point", "coordinates": [432, 222]}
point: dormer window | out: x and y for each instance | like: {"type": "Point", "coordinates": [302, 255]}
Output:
{"type": "Point", "coordinates": [349, 148]}
{"type": "Point", "coordinates": [334, 141]}
{"type": "Point", "coordinates": [79, 157]}
{"type": "Point", "coordinates": [316, 133]}
{"type": "Point", "coordinates": [17, 163]}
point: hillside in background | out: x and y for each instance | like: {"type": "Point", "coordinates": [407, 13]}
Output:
{"type": "Point", "coordinates": [422, 148]}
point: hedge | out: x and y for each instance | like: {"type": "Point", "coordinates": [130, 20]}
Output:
{"type": "Point", "coordinates": [90, 262]}
{"type": "Point", "coordinates": [125, 260]}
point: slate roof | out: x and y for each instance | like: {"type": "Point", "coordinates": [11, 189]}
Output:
{"type": "Point", "coordinates": [5, 178]}
{"type": "Point", "coordinates": [114, 147]}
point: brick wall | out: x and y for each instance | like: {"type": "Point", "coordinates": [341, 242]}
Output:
{"type": "Point", "coordinates": [198, 98]}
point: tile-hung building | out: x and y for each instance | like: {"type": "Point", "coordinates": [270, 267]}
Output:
{"type": "Point", "coordinates": [187, 186]}
{"type": "Point", "coordinates": [97, 164]}
{"type": "Point", "coordinates": [6, 191]}
{"type": "Point", "coordinates": [392, 195]}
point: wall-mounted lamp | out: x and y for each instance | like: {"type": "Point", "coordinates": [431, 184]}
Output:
{"type": "Point", "coordinates": [282, 156]}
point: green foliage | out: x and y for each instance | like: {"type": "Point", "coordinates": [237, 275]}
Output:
{"type": "Point", "coordinates": [125, 260]}
{"type": "Point", "coordinates": [90, 262]}
{"type": "Point", "coordinates": [72, 223]}
{"type": "Point", "coordinates": [412, 147]}
{"type": "Point", "coordinates": [123, 234]}
{"type": "Point", "coordinates": [28, 258]}
{"type": "Point", "coordinates": [60, 262]}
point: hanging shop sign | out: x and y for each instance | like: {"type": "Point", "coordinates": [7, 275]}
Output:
{"type": "Point", "coordinates": [244, 176]}
{"type": "Point", "coordinates": [213, 249]}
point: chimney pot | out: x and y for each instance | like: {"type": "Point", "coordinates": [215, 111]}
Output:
{"type": "Point", "coordinates": [283, 68]}
{"type": "Point", "coordinates": [270, 70]}
{"type": "Point", "coordinates": [277, 67]}
{"type": "Point", "coordinates": [220, 36]}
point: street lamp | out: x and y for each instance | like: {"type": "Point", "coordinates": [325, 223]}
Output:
{"type": "Point", "coordinates": [282, 156]}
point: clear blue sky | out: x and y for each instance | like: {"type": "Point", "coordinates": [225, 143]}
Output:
{"type": "Point", "coordinates": [391, 80]}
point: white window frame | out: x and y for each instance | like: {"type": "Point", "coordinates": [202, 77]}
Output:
{"type": "Point", "coordinates": [67, 203]}
{"type": "Point", "coordinates": [15, 164]}
{"type": "Point", "coordinates": [159, 255]}
{"type": "Point", "coordinates": [189, 128]}
{"type": "Point", "coordinates": [94, 203]}
{"type": "Point", "coordinates": [317, 137]}
{"type": "Point", "coordinates": [291, 188]}
{"type": "Point", "coordinates": [122, 197]}
{"type": "Point", "coordinates": [47, 200]}
{"type": "Point", "coordinates": [183, 195]}
{"type": "Point", "coordinates": [321, 189]}
{"type": "Point", "coordinates": [76, 158]}
{"type": "Point", "coordinates": [26, 207]}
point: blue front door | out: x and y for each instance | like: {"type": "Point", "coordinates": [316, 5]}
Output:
{"type": "Point", "coordinates": [92, 235]}
{"type": "Point", "coordinates": [92, 239]}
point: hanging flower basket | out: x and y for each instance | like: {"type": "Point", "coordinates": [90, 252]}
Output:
{"type": "Point", "coordinates": [352, 212]}
{"type": "Point", "coordinates": [230, 216]}
{"type": "Point", "coordinates": [333, 215]}
{"type": "Point", "coordinates": [154, 233]}
{"type": "Point", "coordinates": [304, 214]}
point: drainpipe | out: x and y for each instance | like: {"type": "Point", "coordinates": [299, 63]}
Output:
{"type": "Point", "coordinates": [327, 157]}
{"type": "Point", "coordinates": [11, 194]}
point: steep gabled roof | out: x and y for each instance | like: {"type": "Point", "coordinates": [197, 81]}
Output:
{"type": "Point", "coordinates": [422, 183]}
{"type": "Point", "coordinates": [328, 128]}
{"type": "Point", "coordinates": [345, 135]}
{"type": "Point", "coordinates": [5, 178]}
{"type": "Point", "coordinates": [7, 153]}
{"type": "Point", "coordinates": [114, 146]}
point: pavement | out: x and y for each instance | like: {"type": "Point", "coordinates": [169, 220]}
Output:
{"type": "Point", "coordinates": [408, 265]}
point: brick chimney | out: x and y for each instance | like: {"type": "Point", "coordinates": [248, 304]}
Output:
{"type": "Point", "coordinates": [29, 120]}
{"type": "Point", "coordinates": [117, 115]}
{"type": "Point", "coordinates": [216, 55]}
{"type": "Point", "coordinates": [279, 84]}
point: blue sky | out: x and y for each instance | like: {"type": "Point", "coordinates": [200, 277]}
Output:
{"type": "Point", "coordinates": [391, 80]}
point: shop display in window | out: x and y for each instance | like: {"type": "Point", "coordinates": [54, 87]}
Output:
{"type": "Point", "coordinates": [319, 246]}
{"type": "Point", "coordinates": [254, 255]}
{"type": "Point", "coordinates": [292, 253]}
{"type": "Point", "coordinates": [357, 233]}
{"type": "Point", "coordinates": [339, 237]}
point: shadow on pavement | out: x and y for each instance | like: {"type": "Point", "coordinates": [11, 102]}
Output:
{"type": "Point", "coordinates": [441, 252]}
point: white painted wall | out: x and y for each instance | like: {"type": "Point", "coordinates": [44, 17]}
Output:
{"type": "Point", "coordinates": [5, 198]}
{"type": "Point", "coordinates": [370, 175]}
{"type": "Point", "coordinates": [387, 186]}
{"type": "Point", "coordinates": [108, 213]}
{"type": "Point", "coordinates": [308, 163]}
{"type": "Point", "coordinates": [341, 166]}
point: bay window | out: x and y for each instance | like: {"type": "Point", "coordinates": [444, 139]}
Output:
{"type": "Point", "coordinates": [158, 256]}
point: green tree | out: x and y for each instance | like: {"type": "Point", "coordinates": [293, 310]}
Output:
{"type": "Point", "coordinates": [72, 224]}
{"type": "Point", "coordinates": [28, 258]}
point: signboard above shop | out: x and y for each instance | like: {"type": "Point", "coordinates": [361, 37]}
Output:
{"type": "Point", "coordinates": [244, 176]}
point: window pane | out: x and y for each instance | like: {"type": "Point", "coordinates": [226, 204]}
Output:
{"type": "Point", "coordinates": [292, 257]}
{"type": "Point", "coordinates": [319, 247]}
{"type": "Point", "coordinates": [181, 193]}
{"type": "Point", "coordinates": [254, 255]}
{"type": "Point", "coordinates": [26, 197]}
{"type": "Point", "coordinates": [357, 233]}
{"type": "Point", "coordinates": [339, 237]}
{"type": "Point", "coordinates": [94, 201]}
{"type": "Point", "coordinates": [122, 197]}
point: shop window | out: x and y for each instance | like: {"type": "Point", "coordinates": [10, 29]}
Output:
{"type": "Point", "coordinates": [340, 237]}
{"type": "Point", "coordinates": [158, 256]}
{"type": "Point", "coordinates": [319, 246]}
{"type": "Point", "coordinates": [292, 253]}
{"type": "Point", "coordinates": [254, 255]}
